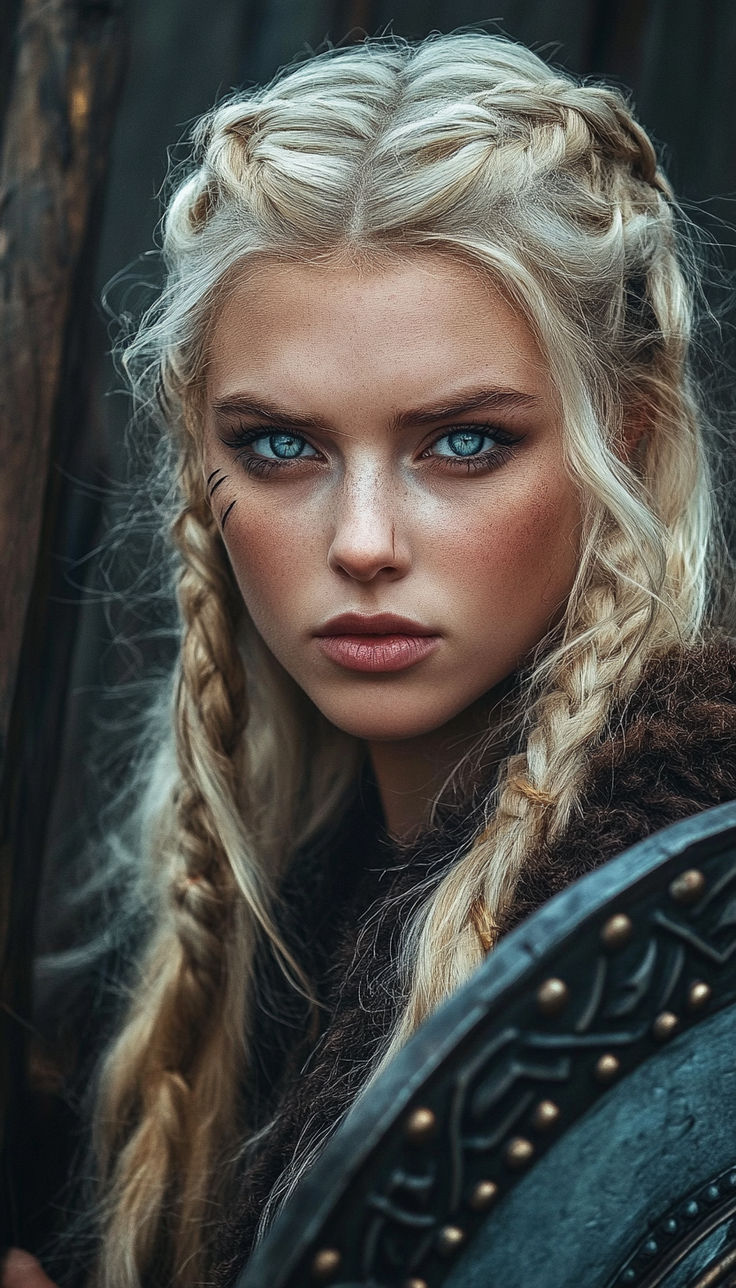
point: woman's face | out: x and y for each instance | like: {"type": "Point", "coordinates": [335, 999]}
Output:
{"type": "Point", "coordinates": [388, 444]}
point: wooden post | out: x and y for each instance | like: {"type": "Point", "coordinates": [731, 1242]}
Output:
{"type": "Point", "coordinates": [67, 68]}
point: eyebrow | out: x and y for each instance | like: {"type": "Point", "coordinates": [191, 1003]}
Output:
{"type": "Point", "coordinates": [494, 397]}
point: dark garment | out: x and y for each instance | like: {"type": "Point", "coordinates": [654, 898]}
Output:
{"type": "Point", "coordinates": [668, 754]}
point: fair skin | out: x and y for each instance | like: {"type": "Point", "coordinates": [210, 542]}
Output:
{"type": "Point", "coordinates": [375, 401]}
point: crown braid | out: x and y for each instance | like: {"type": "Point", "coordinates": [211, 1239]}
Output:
{"type": "Point", "coordinates": [595, 120]}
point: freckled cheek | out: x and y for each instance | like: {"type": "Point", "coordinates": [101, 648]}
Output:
{"type": "Point", "coordinates": [518, 552]}
{"type": "Point", "coordinates": [271, 555]}
{"type": "Point", "coordinates": [543, 546]}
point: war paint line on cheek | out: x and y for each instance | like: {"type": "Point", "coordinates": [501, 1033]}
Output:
{"type": "Point", "coordinates": [223, 520]}
{"type": "Point", "coordinates": [213, 489]}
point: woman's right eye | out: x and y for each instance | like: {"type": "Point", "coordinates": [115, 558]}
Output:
{"type": "Point", "coordinates": [280, 446]}
{"type": "Point", "coordinates": [261, 452]}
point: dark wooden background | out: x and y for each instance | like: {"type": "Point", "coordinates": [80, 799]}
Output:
{"type": "Point", "coordinates": [69, 626]}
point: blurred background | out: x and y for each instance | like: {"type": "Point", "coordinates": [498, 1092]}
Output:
{"type": "Point", "coordinates": [93, 95]}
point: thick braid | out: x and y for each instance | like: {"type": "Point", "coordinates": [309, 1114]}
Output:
{"type": "Point", "coordinates": [177, 1064]}
{"type": "Point", "coordinates": [595, 121]}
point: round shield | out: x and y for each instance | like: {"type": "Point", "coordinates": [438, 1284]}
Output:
{"type": "Point", "coordinates": [567, 1118]}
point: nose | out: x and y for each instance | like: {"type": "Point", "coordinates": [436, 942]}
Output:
{"type": "Point", "coordinates": [369, 536]}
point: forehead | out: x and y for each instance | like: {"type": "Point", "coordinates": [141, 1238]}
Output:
{"type": "Point", "coordinates": [407, 323]}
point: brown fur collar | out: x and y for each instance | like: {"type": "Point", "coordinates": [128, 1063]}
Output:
{"type": "Point", "coordinates": [670, 752]}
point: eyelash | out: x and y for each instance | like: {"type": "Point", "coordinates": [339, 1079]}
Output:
{"type": "Point", "coordinates": [492, 459]}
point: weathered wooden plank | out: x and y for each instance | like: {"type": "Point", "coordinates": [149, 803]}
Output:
{"type": "Point", "coordinates": [68, 64]}
{"type": "Point", "coordinates": [59, 116]}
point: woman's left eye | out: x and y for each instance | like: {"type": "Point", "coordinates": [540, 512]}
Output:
{"type": "Point", "coordinates": [462, 442]}
{"type": "Point", "coordinates": [474, 446]}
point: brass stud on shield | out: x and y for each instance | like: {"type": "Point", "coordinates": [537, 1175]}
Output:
{"type": "Point", "coordinates": [617, 931]}
{"type": "Point", "coordinates": [688, 887]}
{"type": "Point", "coordinates": [450, 1239]}
{"type": "Point", "coordinates": [545, 1115]}
{"type": "Point", "coordinates": [325, 1265]}
{"type": "Point", "coordinates": [519, 1152]}
{"type": "Point", "coordinates": [420, 1125]}
{"type": "Point", "coordinates": [552, 996]}
{"type": "Point", "coordinates": [607, 1067]}
{"type": "Point", "coordinates": [483, 1195]}
{"type": "Point", "coordinates": [665, 1026]}
{"type": "Point", "coordinates": [698, 995]}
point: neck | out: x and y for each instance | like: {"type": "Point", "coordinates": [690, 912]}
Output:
{"type": "Point", "coordinates": [411, 773]}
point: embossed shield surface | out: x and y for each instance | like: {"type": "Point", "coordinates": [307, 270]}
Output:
{"type": "Point", "coordinates": [568, 1118]}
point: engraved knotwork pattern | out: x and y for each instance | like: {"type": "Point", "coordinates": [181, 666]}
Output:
{"type": "Point", "coordinates": [581, 996]}
{"type": "Point", "coordinates": [420, 1199]}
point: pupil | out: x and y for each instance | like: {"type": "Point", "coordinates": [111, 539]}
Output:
{"type": "Point", "coordinates": [285, 445]}
{"type": "Point", "coordinates": [465, 443]}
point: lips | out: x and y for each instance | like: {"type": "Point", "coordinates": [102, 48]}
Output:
{"type": "Point", "coordinates": [382, 642]}
{"type": "Point", "coordinates": [379, 624]}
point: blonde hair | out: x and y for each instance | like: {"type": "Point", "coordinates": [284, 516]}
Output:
{"type": "Point", "coordinates": [468, 146]}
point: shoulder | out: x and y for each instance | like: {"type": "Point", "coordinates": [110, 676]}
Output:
{"type": "Point", "coordinates": [668, 752]}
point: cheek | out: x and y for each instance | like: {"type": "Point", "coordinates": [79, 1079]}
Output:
{"type": "Point", "coordinates": [270, 551]}
{"type": "Point", "coordinates": [520, 553]}
{"type": "Point", "coordinates": [546, 540]}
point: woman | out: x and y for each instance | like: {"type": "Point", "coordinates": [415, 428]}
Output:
{"type": "Point", "coordinates": [449, 578]}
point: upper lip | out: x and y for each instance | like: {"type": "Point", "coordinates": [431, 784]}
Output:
{"type": "Point", "coordinates": [380, 624]}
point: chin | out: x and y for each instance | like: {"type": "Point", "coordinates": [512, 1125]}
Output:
{"type": "Point", "coordinates": [382, 722]}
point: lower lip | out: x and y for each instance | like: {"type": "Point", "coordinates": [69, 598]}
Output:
{"type": "Point", "coordinates": [377, 652]}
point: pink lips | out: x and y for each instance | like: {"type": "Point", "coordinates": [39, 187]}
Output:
{"type": "Point", "coordinates": [383, 642]}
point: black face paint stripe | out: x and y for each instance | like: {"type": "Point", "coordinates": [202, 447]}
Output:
{"type": "Point", "coordinates": [217, 484]}
{"type": "Point", "coordinates": [212, 475]}
{"type": "Point", "coordinates": [224, 517]}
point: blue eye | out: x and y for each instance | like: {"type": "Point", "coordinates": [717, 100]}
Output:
{"type": "Point", "coordinates": [261, 452]}
{"type": "Point", "coordinates": [286, 446]}
{"type": "Point", "coordinates": [462, 443]}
